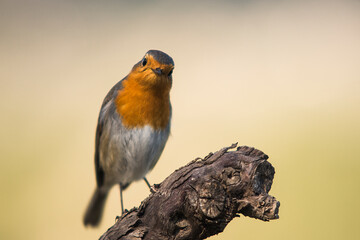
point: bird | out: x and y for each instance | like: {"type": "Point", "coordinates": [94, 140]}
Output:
{"type": "Point", "coordinates": [132, 130]}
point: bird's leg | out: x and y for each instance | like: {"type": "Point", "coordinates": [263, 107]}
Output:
{"type": "Point", "coordinates": [152, 190]}
{"type": "Point", "coordinates": [121, 200]}
{"type": "Point", "coordinates": [147, 183]}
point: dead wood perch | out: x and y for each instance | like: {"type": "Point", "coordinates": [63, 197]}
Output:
{"type": "Point", "coordinates": [201, 198]}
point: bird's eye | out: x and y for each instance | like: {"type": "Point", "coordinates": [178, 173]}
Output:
{"type": "Point", "coordinates": [169, 74]}
{"type": "Point", "coordinates": [144, 62]}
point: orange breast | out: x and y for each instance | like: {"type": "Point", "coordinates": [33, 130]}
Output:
{"type": "Point", "coordinates": [140, 105]}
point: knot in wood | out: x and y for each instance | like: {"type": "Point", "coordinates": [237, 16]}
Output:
{"type": "Point", "coordinates": [183, 229]}
{"type": "Point", "coordinates": [264, 207]}
{"type": "Point", "coordinates": [212, 199]}
{"type": "Point", "coordinates": [231, 176]}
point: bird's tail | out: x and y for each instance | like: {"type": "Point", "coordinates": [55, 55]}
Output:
{"type": "Point", "coordinates": [96, 206]}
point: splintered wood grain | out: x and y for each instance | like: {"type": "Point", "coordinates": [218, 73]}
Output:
{"type": "Point", "coordinates": [201, 198]}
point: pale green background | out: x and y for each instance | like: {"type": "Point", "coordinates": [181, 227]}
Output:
{"type": "Point", "coordinates": [282, 76]}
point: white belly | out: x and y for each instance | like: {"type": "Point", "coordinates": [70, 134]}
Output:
{"type": "Point", "coordinates": [129, 154]}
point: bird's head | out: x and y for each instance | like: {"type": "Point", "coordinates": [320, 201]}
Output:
{"type": "Point", "coordinates": [154, 69]}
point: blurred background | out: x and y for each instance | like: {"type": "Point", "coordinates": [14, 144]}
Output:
{"type": "Point", "coordinates": [282, 76]}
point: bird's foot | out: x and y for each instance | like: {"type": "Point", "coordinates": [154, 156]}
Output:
{"type": "Point", "coordinates": [154, 188]}
{"type": "Point", "coordinates": [122, 214]}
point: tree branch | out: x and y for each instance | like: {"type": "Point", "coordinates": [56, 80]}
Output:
{"type": "Point", "coordinates": [201, 198]}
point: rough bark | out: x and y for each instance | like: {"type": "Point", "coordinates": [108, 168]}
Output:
{"type": "Point", "coordinates": [201, 198]}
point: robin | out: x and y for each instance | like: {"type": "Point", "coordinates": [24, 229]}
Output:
{"type": "Point", "coordinates": [132, 130]}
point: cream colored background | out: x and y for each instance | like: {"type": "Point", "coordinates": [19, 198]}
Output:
{"type": "Point", "coordinates": [282, 76]}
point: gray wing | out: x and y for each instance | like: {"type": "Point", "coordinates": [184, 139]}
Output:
{"type": "Point", "coordinates": [100, 174]}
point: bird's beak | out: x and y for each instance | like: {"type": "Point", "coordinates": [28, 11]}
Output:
{"type": "Point", "coordinates": [157, 71]}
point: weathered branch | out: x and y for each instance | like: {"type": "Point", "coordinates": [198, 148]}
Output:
{"type": "Point", "coordinates": [201, 198]}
